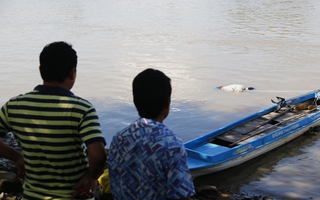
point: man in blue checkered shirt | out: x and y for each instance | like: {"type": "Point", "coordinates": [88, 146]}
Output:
{"type": "Point", "coordinates": [146, 159]}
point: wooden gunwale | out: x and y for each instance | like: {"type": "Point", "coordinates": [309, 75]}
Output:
{"type": "Point", "coordinates": [262, 126]}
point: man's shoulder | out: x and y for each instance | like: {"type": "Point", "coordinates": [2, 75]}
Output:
{"type": "Point", "coordinates": [38, 95]}
{"type": "Point", "coordinates": [81, 100]}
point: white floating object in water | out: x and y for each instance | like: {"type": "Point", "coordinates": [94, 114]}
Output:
{"type": "Point", "coordinates": [235, 88]}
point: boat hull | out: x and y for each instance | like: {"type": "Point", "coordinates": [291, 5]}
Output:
{"type": "Point", "coordinates": [210, 154]}
{"type": "Point", "coordinates": [246, 157]}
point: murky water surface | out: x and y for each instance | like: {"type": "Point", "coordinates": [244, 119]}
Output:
{"type": "Point", "coordinates": [273, 46]}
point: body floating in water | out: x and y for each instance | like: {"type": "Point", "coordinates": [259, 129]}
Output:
{"type": "Point", "coordinates": [235, 88]}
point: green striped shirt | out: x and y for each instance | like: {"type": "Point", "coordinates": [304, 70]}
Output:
{"type": "Point", "coordinates": [52, 126]}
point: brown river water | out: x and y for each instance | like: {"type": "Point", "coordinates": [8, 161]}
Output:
{"type": "Point", "coordinates": [273, 46]}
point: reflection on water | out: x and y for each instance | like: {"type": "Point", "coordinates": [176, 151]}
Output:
{"type": "Point", "coordinates": [273, 46]}
{"type": "Point", "coordinates": [295, 176]}
{"type": "Point", "coordinates": [187, 119]}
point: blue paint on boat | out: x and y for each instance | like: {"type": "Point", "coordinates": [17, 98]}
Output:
{"type": "Point", "coordinates": [209, 153]}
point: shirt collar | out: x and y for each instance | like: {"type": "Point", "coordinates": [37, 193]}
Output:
{"type": "Point", "coordinates": [146, 121]}
{"type": "Point", "coordinates": [53, 90]}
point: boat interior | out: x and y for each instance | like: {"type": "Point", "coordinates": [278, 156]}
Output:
{"type": "Point", "coordinates": [264, 124]}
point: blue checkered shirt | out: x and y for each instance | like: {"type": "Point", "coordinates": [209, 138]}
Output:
{"type": "Point", "coordinates": [148, 161]}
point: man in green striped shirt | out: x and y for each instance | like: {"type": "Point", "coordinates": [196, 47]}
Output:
{"type": "Point", "coordinates": [54, 127]}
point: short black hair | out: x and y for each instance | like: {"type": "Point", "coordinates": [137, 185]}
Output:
{"type": "Point", "coordinates": [151, 92]}
{"type": "Point", "coordinates": [57, 59]}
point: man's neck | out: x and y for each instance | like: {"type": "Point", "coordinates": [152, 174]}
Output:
{"type": "Point", "coordinates": [56, 84]}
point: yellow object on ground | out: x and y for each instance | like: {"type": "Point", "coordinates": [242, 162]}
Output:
{"type": "Point", "coordinates": [104, 182]}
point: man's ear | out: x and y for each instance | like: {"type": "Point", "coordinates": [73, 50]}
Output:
{"type": "Point", "coordinates": [73, 73]}
{"type": "Point", "coordinates": [167, 106]}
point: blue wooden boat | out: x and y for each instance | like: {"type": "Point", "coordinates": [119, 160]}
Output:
{"type": "Point", "coordinates": [254, 135]}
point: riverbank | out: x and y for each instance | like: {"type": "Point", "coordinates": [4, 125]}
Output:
{"type": "Point", "coordinates": [11, 189]}
{"type": "Point", "coordinates": [11, 185]}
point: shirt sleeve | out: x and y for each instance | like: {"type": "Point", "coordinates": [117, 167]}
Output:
{"type": "Point", "coordinates": [90, 129]}
{"type": "Point", "coordinates": [4, 122]}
